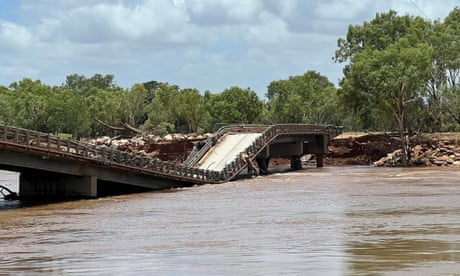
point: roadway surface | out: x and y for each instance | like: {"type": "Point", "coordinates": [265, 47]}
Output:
{"type": "Point", "coordinates": [227, 150]}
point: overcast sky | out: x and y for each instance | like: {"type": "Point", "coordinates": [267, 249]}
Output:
{"type": "Point", "coordinates": [204, 44]}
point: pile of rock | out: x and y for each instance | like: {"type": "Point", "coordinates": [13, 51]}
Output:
{"type": "Point", "coordinates": [172, 147]}
{"type": "Point", "coordinates": [440, 154]}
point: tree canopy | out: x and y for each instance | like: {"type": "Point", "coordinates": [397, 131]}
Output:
{"type": "Point", "coordinates": [399, 72]}
{"type": "Point", "coordinates": [309, 98]}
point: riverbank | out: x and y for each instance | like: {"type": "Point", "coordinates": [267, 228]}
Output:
{"type": "Point", "coordinates": [383, 149]}
{"type": "Point", "coordinates": [348, 149]}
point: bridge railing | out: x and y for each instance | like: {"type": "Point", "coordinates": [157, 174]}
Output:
{"type": "Point", "coordinates": [49, 145]}
{"type": "Point", "coordinates": [46, 144]}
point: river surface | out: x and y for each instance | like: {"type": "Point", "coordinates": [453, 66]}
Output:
{"type": "Point", "coordinates": [329, 221]}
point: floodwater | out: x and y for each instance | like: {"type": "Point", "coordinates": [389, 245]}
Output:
{"type": "Point", "coordinates": [329, 221]}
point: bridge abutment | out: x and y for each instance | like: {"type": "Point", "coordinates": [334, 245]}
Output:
{"type": "Point", "coordinates": [33, 184]}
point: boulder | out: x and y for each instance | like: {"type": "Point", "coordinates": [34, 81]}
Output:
{"type": "Point", "coordinates": [168, 138]}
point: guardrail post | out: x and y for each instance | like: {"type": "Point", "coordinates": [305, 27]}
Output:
{"type": "Point", "coordinates": [27, 137]}
{"type": "Point", "coordinates": [16, 135]}
{"type": "Point", "coordinates": [49, 141]}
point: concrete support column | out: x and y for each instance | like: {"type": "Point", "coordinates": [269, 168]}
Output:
{"type": "Point", "coordinates": [319, 160]}
{"type": "Point", "coordinates": [85, 186]}
{"type": "Point", "coordinates": [296, 163]}
{"type": "Point", "coordinates": [263, 165]}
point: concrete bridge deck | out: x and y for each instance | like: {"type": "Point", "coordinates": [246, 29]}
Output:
{"type": "Point", "coordinates": [49, 164]}
{"type": "Point", "coordinates": [227, 150]}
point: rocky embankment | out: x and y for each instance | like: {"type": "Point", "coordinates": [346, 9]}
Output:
{"type": "Point", "coordinates": [172, 147]}
{"type": "Point", "coordinates": [439, 149]}
{"type": "Point", "coordinates": [428, 150]}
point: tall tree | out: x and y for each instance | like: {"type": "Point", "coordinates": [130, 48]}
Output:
{"type": "Point", "coordinates": [389, 66]}
{"type": "Point", "coordinates": [135, 105]}
{"type": "Point", "coordinates": [6, 108]}
{"type": "Point", "coordinates": [309, 98]}
{"type": "Point", "coordinates": [68, 113]}
{"type": "Point", "coordinates": [235, 105]}
{"type": "Point", "coordinates": [191, 108]}
{"type": "Point", "coordinates": [442, 88]}
{"type": "Point", "coordinates": [383, 31]}
{"type": "Point", "coordinates": [30, 103]}
{"type": "Point", "coordinates": [163, 115]}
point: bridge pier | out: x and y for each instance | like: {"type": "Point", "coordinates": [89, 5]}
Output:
{"type": "Point", "coordinates": [262, 163]}
{"type": "Point", "coordinates": [319, 160]}
{"type": "Point", "coordinates": [296, 163]}
{"type": "Point", "coordinates": [34, 184]}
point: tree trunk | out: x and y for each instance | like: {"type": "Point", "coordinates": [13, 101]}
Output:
{"type": "Point", "coordinates": [400, 119]}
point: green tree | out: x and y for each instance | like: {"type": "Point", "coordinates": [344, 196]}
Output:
{"type": "Point", "coordinates": [443, 85]}
{"type": "Point", "coordinates": [384, 30]}
{"type": "Point", "coordinates": [6, 106]}
{"type": "Point", "coordinates": [389, 66]}
{"type": "Point", "coordinates": [104, 99]}
{"type": "Point", "coordinates": [309, 98]}
{"type": "Point", "coordinates": [107, 106]}
{"type": "Point", "coordinates": [86, 86]}
{"type": "Point", "coordinates": [135, 105]}
{"type": "Point", "coordinates": [191, 108]}
{"type": "Point", "coordinates": [68, 113]}
{"type": "Point", "coordinates": [235, 105]}
{"type": "Point", "coordinates": [162, 111]}
{"type": "Point", "coordinates": [30, 102]}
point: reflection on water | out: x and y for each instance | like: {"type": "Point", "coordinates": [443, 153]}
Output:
{"type": "Point", "coordinates": [330, 221]}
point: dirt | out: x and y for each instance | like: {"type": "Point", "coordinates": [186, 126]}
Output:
{"type": "Point", "coordinates": [365, 149]}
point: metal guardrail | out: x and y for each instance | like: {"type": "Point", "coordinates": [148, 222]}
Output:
{"type": "Point", "coordinates": [43, 144]}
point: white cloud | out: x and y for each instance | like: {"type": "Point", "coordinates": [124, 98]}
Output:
{"type": "Point", "coordinates": [107, 22]}
{"type": "Point", "coordinates": [11, 71]}
{"type": "Point", "coordinates": [224, 12]}
{"type": "Point", "coordinates": [206, 44]}
{"type": "Point", "coordinates": [271, 30]}
{"type": "Point", "coordinates": [342, 10]}
{"type": "Point", "coordinates": [14, 37]}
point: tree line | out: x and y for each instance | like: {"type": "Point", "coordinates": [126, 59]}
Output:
{"type": "Point", "coordinates": [401, 73]}
{"type": "Point", "coordinates": [157, 107]}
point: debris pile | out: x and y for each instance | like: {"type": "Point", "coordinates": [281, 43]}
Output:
{"type": "Point", "coordinates": [439, 154]}
{"type": "Point", "coordinates": [383, 149]}
{"type": "Point", "coordinates": [172, 147]}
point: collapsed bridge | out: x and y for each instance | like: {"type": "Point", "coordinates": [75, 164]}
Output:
{"type": "Point", "coordinates": [53, 166]}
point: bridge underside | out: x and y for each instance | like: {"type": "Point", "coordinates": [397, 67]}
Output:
{"type": "Point", "coordinates": [294, 148]}
{"type": "Point", "coordinates": [47, 177]}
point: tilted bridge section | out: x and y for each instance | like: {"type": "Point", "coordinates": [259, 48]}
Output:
{"type": "Point", "coordinates": [52, 165]}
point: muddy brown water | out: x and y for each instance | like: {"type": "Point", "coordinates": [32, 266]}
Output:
{"type": "Point", "coordinates": [329, 221]}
